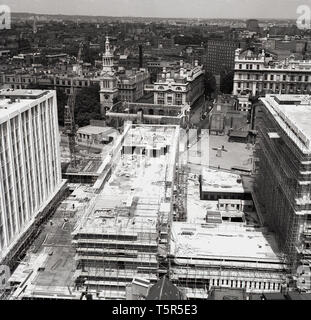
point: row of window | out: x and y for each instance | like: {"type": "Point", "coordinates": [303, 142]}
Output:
{"type": "Point", "coordinates": [276, 86]}
{"type": "Point", "coordinates": [249, 66]}
{"type": "Point", "coordinates": [23, 80]}
{"type": "Point", "coordinates": [261, 285]}
{"type": "Point", "coordinates": [273, 77]}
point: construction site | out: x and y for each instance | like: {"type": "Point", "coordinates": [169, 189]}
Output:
{"type": "Point", "coordinates": [104, 236]}
{"type": "Point", "coordinates": [125, 233]}
{"type": "Point", "coordinates": [222, 243]}
{"type": "Point", "coordinates": [155, 209]}
{"type": "Point", "coordinates": [282, 184]}
{"type": "Point", "coordinates": [148, 216]}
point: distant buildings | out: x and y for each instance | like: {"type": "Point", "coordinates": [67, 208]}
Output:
{"type": "Point", "coordinates": [30, 172]}
{"type": "Point", "coordinates": [258, 74]}
{"type": "Point", "coordinates": [167, 101]}
{"type": "Point", "coordinates": [131, 84]}
{"type": "Point", "coordinates": [283, 172]}
{"type": "Point", "coordinates": [219, 55]}
{"type": "Point", "coordinates": [155, 68]}
{"type": "Point", "coordinates": [252, 25]}
{"type": "Point", "coordinates": [180, 86]}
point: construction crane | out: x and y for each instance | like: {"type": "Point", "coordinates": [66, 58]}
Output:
{"type": "Point", "coordinates": [69, 120]}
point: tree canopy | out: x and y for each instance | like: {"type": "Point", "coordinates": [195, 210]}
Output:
{"type": "Point", "coordinates": [87, 105]}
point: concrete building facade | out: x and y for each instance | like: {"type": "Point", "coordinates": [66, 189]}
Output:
{"type": "Point", "coordinates": [30, 171]}
{"type": "Point", "coordinates": [219, 55]}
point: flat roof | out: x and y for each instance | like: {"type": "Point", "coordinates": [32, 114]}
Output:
{"type": "Point", "coordinates": [221, 181]}
{"type": "Point", "coordinates": [293, 114]}
{"type": "Point", "coordinates": [222, 241]}
{"type": "Point", "coordinates": [97, 130]}
{"type": "Point", "coordinates": [23, 93]}
{"type": "Point", "coordinates": [201, 240]}
{"type": "Point", "coordinates": [13, 102]}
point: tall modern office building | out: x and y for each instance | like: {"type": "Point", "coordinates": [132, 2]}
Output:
{"type": "Point", "coordinates": [283, 172]}
{"type": "Point", "coordinates": [30, 171]}
{"type": "Point", "coordinates": [219, 55]}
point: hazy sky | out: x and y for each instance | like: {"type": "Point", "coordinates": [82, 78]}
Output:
{"type": "Point", "coordinates": [164, 8]}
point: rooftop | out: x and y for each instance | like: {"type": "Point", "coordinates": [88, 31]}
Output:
{"type": "Point", "coordinates": [293, 114]}
{"type": "Point", "coordinates": [240, 242]}
{"type": "Point", "coordinates": [96, 130]}
{"type": "Point", "coordinates": [222, 241]}
{"type": "Point", "coordinates": [22, 93]}
{"type": "Point", "coordinates": [222, 181]}
{"type": "Point", "coordinates": [15, 101]}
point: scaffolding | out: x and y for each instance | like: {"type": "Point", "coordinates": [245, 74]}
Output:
{"type": "Point", "coordinates": [125, 235]}
{"type": "Point", "coordinates": [279, 184]}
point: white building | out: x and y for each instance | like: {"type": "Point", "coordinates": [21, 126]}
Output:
{"type": "Point", "coordinates": [258, 74]}
{"type": "Point", "coordinates": [30, 171]}
{"type": "Point", "coordinates": [179, 87]}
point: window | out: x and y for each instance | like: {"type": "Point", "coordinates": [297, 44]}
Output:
{"type": "Point", "coordinates": [240, 66]}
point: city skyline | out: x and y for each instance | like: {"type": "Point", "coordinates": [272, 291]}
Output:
{"type": "Point", "coordinates": [222, 9]}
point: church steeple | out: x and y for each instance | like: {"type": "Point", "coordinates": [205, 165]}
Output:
{"type": "Point", "coordinates": [107, 46]}
{"type": "Point", "coordinates": [108, 59]}
{"type": "Point", "coordinates": [109, 92]}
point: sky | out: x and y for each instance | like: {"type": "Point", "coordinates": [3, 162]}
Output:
{"type": "Point", "coordinates": [164, 8]}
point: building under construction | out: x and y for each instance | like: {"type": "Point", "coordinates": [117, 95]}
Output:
{"type": "Point", "coordinates": [223, 243]}
{"type": "Point", "coordinates": [283, 172]}
{"type": "Point", "coordinates": [124, 232]}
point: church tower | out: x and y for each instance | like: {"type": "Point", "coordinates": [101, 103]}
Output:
{"type": "Point", "coordinates": [109, 83]}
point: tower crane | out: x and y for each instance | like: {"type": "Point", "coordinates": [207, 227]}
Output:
{"type": "Point", "coordinates": [69, 120]}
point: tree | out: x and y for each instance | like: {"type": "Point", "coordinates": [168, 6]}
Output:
{"type": "Point", "coordinates": [87, 105]}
